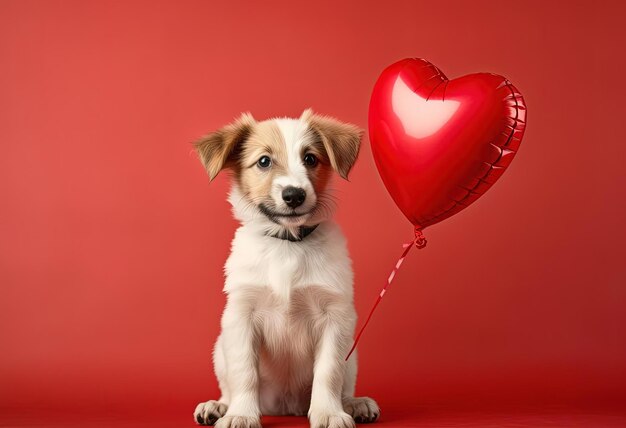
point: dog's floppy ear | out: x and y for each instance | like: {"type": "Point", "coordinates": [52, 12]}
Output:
{"type": "Point", "coordinates": [341, 140]}
{"type": "Point", "coordinates": [218, 149]}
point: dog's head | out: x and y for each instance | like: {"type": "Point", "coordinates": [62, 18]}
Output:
{"type": "Point", "coordinates": [281, 167]}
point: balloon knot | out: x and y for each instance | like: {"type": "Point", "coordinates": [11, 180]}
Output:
{"type": "Point", "coordinates": [420, 241]}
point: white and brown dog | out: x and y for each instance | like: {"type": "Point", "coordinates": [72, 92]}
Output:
{"type": "Point", "coordinates": [289, 317]}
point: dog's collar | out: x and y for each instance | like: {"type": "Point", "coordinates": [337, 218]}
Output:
{"type": "Point", "coordinates": [303, 232]}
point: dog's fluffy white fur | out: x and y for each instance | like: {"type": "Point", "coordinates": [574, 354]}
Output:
{"type": "Point", "coordinates": [289, 317]}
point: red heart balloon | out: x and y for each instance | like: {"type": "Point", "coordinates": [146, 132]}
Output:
{"type": "Point", "coordinates": [439, 144]}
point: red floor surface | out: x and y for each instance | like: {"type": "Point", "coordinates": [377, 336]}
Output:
{"type": "Point", "coordinates": [422, 416]}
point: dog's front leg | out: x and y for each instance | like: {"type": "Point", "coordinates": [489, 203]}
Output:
{"type": "Point", "coordinates": [241, 357]}
{"type": "Point", "coordinates": [326, 410]}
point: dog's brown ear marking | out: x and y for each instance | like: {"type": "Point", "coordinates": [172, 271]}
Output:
{"type": "Point", "coordinates": [341, 140]}
{"type": "Point", "coordinates": [218, 149]}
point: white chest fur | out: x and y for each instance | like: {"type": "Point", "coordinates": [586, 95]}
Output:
{"type": "Point", "coordinates": [320, 260]}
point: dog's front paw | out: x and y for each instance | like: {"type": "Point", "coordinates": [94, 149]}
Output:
{"type": "Point", "coordinates": [238, 422]}
{"type": "Point", "coordinates": [333, 420]}
{"type": "Point", "coordinates": [362, 409]}
{"type": "Point", "coordinates": [208, 413]}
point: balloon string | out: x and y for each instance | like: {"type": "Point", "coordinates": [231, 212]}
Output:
{"type": "Point", "coordinates": [419, 242]}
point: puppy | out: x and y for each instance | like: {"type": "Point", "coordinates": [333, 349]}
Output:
{"type": "Point", "coordinates": [289, 317]}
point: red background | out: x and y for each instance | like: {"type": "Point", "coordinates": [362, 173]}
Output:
{"type": "Point", "coordinates": [112, 242]}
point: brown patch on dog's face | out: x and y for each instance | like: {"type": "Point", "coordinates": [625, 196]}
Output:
{"type": "Point", "coordinates": [341, 141]}
{"type": "Point", "coordinates": [320, 174]}
{"type": "Point", "coordinates": [256, 182]}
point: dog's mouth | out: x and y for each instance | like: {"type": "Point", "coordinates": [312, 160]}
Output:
{"type": "Point", "coordinates": [281, 217]}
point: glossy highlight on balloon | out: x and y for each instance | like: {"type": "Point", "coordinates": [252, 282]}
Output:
{"type": "Point", "coordinates": [440, 144]}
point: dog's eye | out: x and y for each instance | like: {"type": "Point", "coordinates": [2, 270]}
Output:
{"type": "Point", "coordinates": [310, 159]}
{"type": "Point", "coordinates": [264, 162]}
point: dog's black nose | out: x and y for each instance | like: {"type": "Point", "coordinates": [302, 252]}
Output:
{"type": "Point", "coordinates": [293, 196]}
